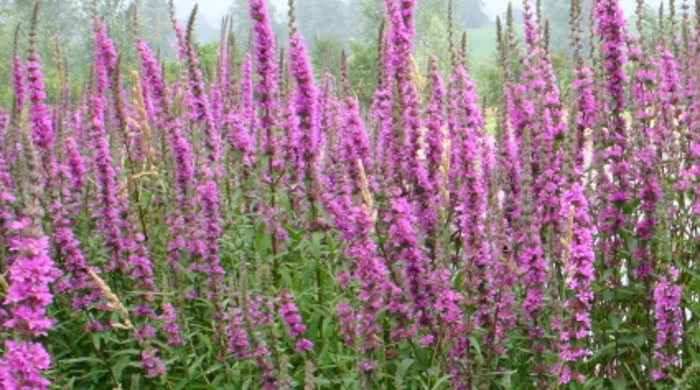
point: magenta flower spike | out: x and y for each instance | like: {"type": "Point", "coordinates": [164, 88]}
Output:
{"type": "Point", "coordinates": [382, 106]}
{"type": "Point", "coordinates": [105, 58]}
{"type": "Point", "coordinates": [74, 166]}
{"type": "Point", "coordinates": [401, 33]}
{"type": "Point", "coordinates": [39, 114]}
{"type": "Point", "coordinates": [18, 83]}
{"type": "Point", "coordinates": [306, 110]}
{"type": "Point", "coordinates": [579, 274]}
{"type": "Point", "coordinates": [434, 148]}
{"type": "Point", "coordinates": [108, 213]}
{"type": "Point", "coordinates": [22, 366]}
{"type": "Point", "coordinates": [238, 342]}
{"type": "Point", "coordinates": [5, 173]}
{"type": "Point", "coordinates": [184, 218]}
{"type": "Point", "coordinates": [611, 30]}
{"type": "Point", "coordinates": [201, 111]}
{"type": "Point", "coordinates": [669, 324]}
{"type": "Point", "coordinates": [266, 64]}
{"type": "Point", "coordinates": [290, 315]}
{"type": "Point", "coordinates": [373, 274]}
{"type": "Point", "coordinates": [31, 273]}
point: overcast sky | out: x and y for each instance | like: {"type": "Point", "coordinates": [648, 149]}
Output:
{"type": "Point", "coordinates": [214, 10]}
{"type": "Point", "coordinates": [497, 7]}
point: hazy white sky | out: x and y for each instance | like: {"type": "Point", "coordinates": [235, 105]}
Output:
{"type": "Point", "coordinates": [214, 10]}
{"type": "Point", "coordinates": [496, 7]}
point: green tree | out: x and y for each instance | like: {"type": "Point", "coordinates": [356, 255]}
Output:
{"type": "Point", "coordinates": [558, 13]}
{"type": "Point", "coordinates": [471, 13]}
{"type": "Point", "coordinates": [154, 26]}
{"type": "Point", "coordinates": [320, 18]}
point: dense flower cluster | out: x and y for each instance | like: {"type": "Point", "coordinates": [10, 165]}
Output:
{"type": "Point", "coordinates": [260, 227]}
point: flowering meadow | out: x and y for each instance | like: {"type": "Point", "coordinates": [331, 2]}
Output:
{"type": "Point", "coordinates": [262, 229]}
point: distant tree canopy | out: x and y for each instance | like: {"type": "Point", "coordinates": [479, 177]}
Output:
{"type": "Point", "coordinates": [471, 13]}
{"type": "Point", "coordinates": [558, 13]}
{"type": "Point", "coordinates": [321, 18]}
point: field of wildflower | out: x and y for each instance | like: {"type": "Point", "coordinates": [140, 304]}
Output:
{"type": "Point", "coordinates": [264, 230]}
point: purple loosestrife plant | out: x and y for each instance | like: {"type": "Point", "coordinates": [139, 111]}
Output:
{"type": "Point", "coordinates": [533, 266]}
{"type": "Point", "coordinates": [382, 116]}
{"type": "Point", "coordinates": [416, 266]}
{"type": "Point", "coordinates": [201, 112]}
{"type": "Point", "coordinates": [181, 151]}
{"type": "Point", "coordinates": [7, 186]}
{"type": "Point", "coordinates": [466, 126]}
{"type": "Point", "coordinates": [669, 324]}
{"type": "Point", "coordinates": [22, 365]}
{"type": "Point", "coordinates": [108, 213]}
{"type": "Point", "coordinates": [292, 154]}
{"type": "Point", "coordinates": [373, 275]}
{"type": "Point", "coordinates": [508, 151]}
{"type": "Point", "coordinates": [586, 104]}
{"type": "Point", "coordinates": [267, 104]}
{"type": "Point", "coordinates": [645, 155]}
{"type": "Point", "coordinates": [550, 179]}
{"type": "Point", "coordinates": [611, 31]}
{"type": "Point", "coordinates": [292, 319]}
{"type": "Point", "coordinates": [239, 124]}
{"type": "Point", "coordinates": [264, 45]}
{"type": "Point", "coordinates": [579, 275]}
{"type": "Point", "coordinates": [74, 167]}
{"type": "Point", "coordinates": [408, 128]}
{"type": "Point", "coordinates": [29, 295]}
{"type": "Point", "coordinates": [355, 145]}
{"type": "Point", "coordinates": [18, 83]}
{"type": "Point", "coordinates": [433, 150]}
{"type": "Point", "coordinates": [305, 103]}
{"type": "Point", "coordinates": [507, 210]}
{"type": "Point", "coordinates": [44, 134]}
{"type": "Point", "coordinates": [238, 342]}
{"type": "Point", "coordinates": [105, 57]}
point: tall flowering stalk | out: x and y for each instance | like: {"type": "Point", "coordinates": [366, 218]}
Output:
{"type": "Point", "coordinates": [465, 125]}
{"type": "Point", "coordinates": [208, 191]}
{"type": "Point", "coordinates": [382, 114]}
{"type": "Point", "coordinates": [645, 154]}
{"type": "Point", "coordinates": [180, 148]}
{"type": "Point", "coordinates": [201, 112]}
{"type": "Point", "coordinates": [373, 275]}
{"type": "Point", "coordinates": [29, 295]}
{"type": "Point", "coordinates": [108, 214]}
{"type": "Point", "coordinates": [239, 125]}
{"type": "Point", "coordinates": [505, 213]}
{"type": "Point", "coordinates": [264, 45]}
{"type": "Point", "coordinates": [579, 272]}
{"type": "Point", "coordinates": [408, 128]}
{"type": "Point", "coordinates": [669, 320]}
{"type": "Point", "coordinates": [506, 139]}
{"type": "Point", "coordinates": [433, 150]}
{"type": "Point", "coordinates": [305, 103]}
{"type": "Point", "coordinates": [531, 260]}
{"type": "Point", "coordinates": [614, 194]}
{"type": "Point", "coordinates": [18, 82]}
{"type": "Point", "coordinates": [290, 315]}
{"type": "Point", "coordinates": [67, 245]}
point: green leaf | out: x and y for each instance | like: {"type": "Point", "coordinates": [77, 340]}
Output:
{"type": "Point", "coordinates": [615, 321]}
{"type": "Point", "coordinates": [441, 381]}
{"type": "Point", "coordinates": [619, 384]}
{"type": "Point", "coordinates": [475, 343]}
{"type": "Point", "coordinates": [403, 367]}
{"type": "Point", "coordinates": [194, 366]}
